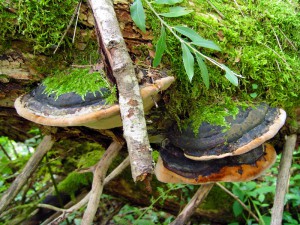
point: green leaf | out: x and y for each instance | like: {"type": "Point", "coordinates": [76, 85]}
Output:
{"type": "Point", "coordinates": [237, 208]}
{"type": "Point", "coordinates": [254, 86]}
{"type": "Point", "coordinates": [230, 76]}
{"type": "Point", "coordinates": [138, 16]}
{"type": "Point", "coordinates": [188, 32]}
{"type": "Point", "coordinates": [207, 44]}
{"type": "Point", "coordinates": [176, 12]}
{"type": "Point", "coordinates": [253, 95]}
{"type": "Point", "coordinates": [167, 2]}
{"type": "Point", "coordinates": [203, 68]}
{"type": "Point", "coordinates": [160, 47]}
{"type": "Point", "coordinates": [188, 61]}
{"type": "Point", "coordinates": [261, 197]}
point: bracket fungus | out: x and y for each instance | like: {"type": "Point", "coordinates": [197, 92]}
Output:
{"type": "Point", "coordinates": [249, 129]}
{"type": "Point", "coordinates": [174, 167]}
{"type": "Point", "coordinates": [71, 110]}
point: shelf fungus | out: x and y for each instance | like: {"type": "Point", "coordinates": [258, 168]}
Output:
{"type": "Point", "coordinates": [249, 129]}
{"type": "Point", "coordinates": [174, 167]}
{"type": "Point", "coordinates": [71, 110]}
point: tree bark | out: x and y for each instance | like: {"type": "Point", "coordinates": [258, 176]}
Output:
{"type": "Point", "coordinates": [131, 105]}
{"type": "Point", "coordinates": [283, 179]}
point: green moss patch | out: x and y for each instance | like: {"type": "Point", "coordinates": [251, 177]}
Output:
{"type": "Point", "coordinates": [80, 81]}
{"type": "Point", "coordinates": [257, 40]}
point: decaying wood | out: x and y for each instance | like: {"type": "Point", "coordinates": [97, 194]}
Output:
{"type": "Point", "coordinates": [45, 145]}
{"type": "Point", "coordinates": [193, 204]}
{"type": "Point", "coordinates": [283, 179]}
{"type": "Point", "coordinates": [131, 105]}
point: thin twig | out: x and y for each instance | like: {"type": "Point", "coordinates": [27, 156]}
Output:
{"type": "Point", "coordinates": [277, 39]}
{"type": "Point", "coordinates": [5, 152]}
{"type": "Point", "coordinates": [215, 8]}
{"type": "Point", "coordinates": [85, 199]}
{"type": "Point", "coordinates": [239, 201]}
{"type": "Point", "coordinates": [283, 178]}
{"type": "Point", "coordinates": [77, 13]}
{"type": "Point", "coordinates": [45, 145]}
{"type": "Point", "coordinates": [283, 59]}
{"type": "Point", "coordinates": [239, 8]}
{"type": "Point", "coordinates": [68, 27]}
{"type": "Point", "coordinates": [278, 65]}
{"type": "Point", "coordinates": [190, 208]}
{"type": "Point", "coordinates": [117, 170]}
{"type": "Point", "coordinates": [98, 182]}
{"type": "Point", "coordinates": [47, 206]}
{"type": "Point", "coordinates": [289, 41]}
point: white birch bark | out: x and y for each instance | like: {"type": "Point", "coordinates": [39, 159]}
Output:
{"type": "Point", "coordinates": [131, 105]}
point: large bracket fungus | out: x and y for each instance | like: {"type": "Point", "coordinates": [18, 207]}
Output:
{"type": "Point", "coordinates": [248, 130]}
{"type": "Point", "coordinates": [174, 167]}
{"type": "Point", "coordinates": [238, 154]}
{"type": "Point", "coordinates": [71, 110]}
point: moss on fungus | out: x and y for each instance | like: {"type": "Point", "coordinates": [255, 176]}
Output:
{"type": "Point", "coordinates": [257, 40]}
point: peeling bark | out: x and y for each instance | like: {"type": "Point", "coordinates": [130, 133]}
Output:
{"type": "Point", "coordinates": [131, 105]}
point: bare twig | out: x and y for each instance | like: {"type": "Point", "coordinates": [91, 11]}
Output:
{"type": "Point", "coordinates": [277, 39]}
{"type": "Point", "coordinates": [120, 66]}
{"type": "Point", "coordinates": [239, 201]}
{"type": "Point", "coordinates": [190, 208]}
{"type": "Point", "coordinates": [30, 167]}
{"type": "Point", "coordinates": [47, 206]}
{"type": "Point", "coordinates": [68, 27]}
{"type": "Point", "coordinates": [283, 178]}
{"type": "Point", "coordinates": [289, 41]}
{"type": "Point", "coordinates": [5, 152]}
{"type": "Point", "coordinates": [85, 199]}
{"type": "Point", "coordinates": [215, 8]}
{"type": "Point", "coordinates": [278, 66]}
{"type": "Point", "coordinates": [117, 170]}
{"type": "Point", "coordinates": [77, 15]}
{"type": "Point", "coordinates": [276, 53]}
{"type": "Point", "coordinates": [239, 8]}
{"type": "Point", "coordinates": [98, 182]}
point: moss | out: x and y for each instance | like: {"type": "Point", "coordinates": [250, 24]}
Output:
{"type": "Point", "coordinates": [75, 181]}
{"type": "Point", "coordinates": [40, 22]}
{"type": "Point", "coordinates": [217, 199]}
{"type": "Point", "coordinates": [80, 81]}
{"type": "Point", "coordinates": [247, 36]}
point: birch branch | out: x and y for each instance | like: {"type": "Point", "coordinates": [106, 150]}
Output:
{"type": "Point", "coordinates": [283, 179]}
{"type": "Point", "coordinates": [131, 106]}
{"type": "Point", "coordinates": [98, 182]}
{"type": "Point", "coordinates": [103, 163]}
{"type": "Point", "coordinates": [45, 145]}
{"type": "Point", "coordinates": [190, 208]}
